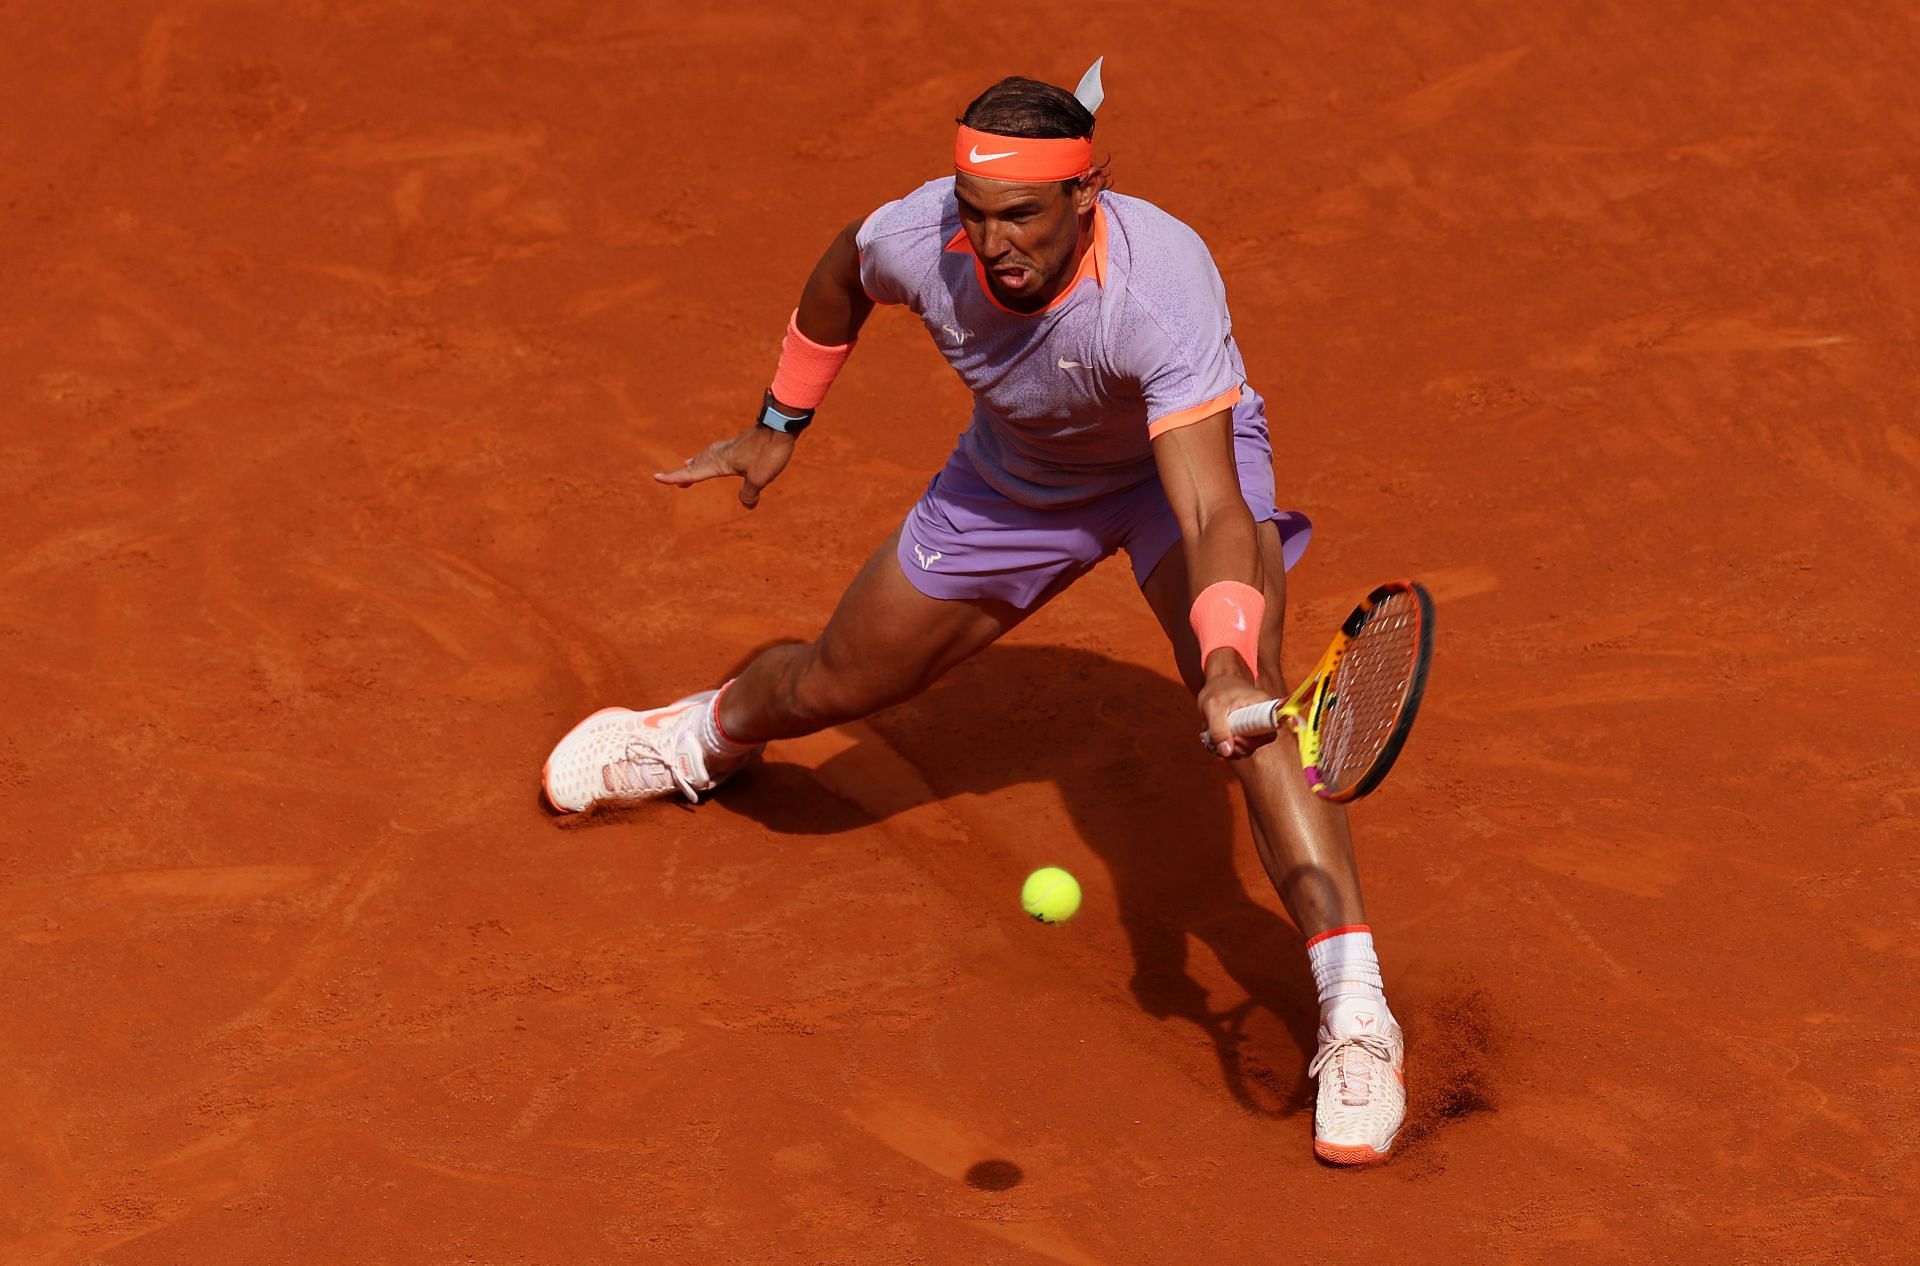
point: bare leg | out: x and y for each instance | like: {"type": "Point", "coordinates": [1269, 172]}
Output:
{"type": "Point", "coordinates": [1303, 840]}
{"type": "Point", "coordinates": [1360, 1101]}
{"type": "Point", "coordinates": [885, 643]}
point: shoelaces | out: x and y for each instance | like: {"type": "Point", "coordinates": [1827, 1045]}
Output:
{"type": "Point", "coordinates": [642, 768]}
{"type": "Point", "coordinates": [1353, 1075]}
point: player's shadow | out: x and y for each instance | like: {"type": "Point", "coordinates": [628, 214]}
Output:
{"type": "Point", "coordinates": [1120, 744]}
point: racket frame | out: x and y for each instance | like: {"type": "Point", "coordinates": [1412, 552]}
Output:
{"type": "Point", "coordinates": [1303, 711]}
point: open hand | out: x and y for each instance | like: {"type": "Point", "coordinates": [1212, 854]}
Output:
{"type": "Point", "coordinates": [756, 457]}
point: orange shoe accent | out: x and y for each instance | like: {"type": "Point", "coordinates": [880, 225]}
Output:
{"type": "Point", "coordinates": [1357, 1154]}
{"type": "Point", "coordinates": [660, 718]}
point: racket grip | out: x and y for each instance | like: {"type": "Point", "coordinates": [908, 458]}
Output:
{"type": "Point", "coordinates": [1255, 718]}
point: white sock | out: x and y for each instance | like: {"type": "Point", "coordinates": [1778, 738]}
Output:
{"type": "Point", "coordinates": [714, 739]}
{"type": "Point", "coordinates": [1346, 972]}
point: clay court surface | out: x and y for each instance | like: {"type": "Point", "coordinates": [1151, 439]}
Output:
{"type": "Point", "coordinates": [339, 342]}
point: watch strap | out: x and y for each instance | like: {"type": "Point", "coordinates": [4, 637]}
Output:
{"type": "Point", "coordinates": [783, 418]}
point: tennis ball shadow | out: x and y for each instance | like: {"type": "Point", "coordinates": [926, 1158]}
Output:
{"type": "Point", "coordinates": [994, 1175]}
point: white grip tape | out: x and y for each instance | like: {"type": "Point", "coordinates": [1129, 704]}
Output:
{"type": "Point", "coordinates": [1255, 718]}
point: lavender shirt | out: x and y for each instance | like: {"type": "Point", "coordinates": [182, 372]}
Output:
{"type": "Point", "coordinates": [1067, 400]}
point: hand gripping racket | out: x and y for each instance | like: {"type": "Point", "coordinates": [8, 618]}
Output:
{"type": "Point", "coordinates": [1352, 713]}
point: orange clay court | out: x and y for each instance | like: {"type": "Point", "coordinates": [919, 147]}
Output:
{"type": "Point", "coordinates": [340, 343]}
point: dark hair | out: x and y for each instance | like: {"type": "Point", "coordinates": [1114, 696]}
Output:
{"type": "Point", "coordinates": [1029, 108]}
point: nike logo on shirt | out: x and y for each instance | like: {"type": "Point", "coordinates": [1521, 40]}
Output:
{"type": "Point", "coordinates": [1072, 364]}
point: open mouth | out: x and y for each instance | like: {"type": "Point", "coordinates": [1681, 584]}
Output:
{"type": "Point", "coordinates": [1013, 277]}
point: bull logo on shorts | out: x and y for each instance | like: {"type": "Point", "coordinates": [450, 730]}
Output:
{"type": "Point", "coordinates": [925, 558]}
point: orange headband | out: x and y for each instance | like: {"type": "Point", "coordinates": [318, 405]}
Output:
{"type": "Point", "coordinates": [1021, 159]}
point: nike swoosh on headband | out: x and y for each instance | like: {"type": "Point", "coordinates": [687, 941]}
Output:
{"type": "Point", "coordinates": [975, 156]}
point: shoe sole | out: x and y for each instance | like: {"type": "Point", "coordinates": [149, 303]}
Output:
{"type": "Point", "coordinates": [1350, 1154]}
{"type": "Point", "coordinates": [546, 766]}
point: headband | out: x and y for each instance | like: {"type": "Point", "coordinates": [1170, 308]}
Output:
{"type": "Point", "coordinates": [1026, 159]}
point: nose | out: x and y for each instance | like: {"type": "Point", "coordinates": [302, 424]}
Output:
{"type": "Point", "coordinates": [993, 241]}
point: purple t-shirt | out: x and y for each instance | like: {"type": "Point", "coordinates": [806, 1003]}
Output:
{"type": "Point", "coordinates": [1067, 400]}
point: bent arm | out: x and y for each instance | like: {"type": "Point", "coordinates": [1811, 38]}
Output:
{"type": "Point", "coordinates": [1216, 528]}
{"type": "Point", "coordinates": [834, 306]}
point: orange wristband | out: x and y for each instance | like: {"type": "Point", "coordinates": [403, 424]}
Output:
{"type": "Point", "coordinates": [806, 368]}
{"type": "Point", "coordinates": [1228, 613]}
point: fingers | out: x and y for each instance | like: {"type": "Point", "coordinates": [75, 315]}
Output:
{"type": "Point", "coordinates": [757, 458]}
{"type": "Point", "coordinates": [764, 467]}
{"type": "Point", "coordinates": [1217, 706]}
{"type": "Point", "coordinates": [1245, 745]}
{"type": "Point", "coordinates": [1232, 746]}
{"type": "Point", "coordinates": [706, 464]}
{"type": "Point", "coordinates": [688, 475]}
{"type": "Point", "coordinates": [1222, 741]}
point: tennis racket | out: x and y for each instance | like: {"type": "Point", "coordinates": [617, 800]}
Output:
{"type": "Point", "coordinates": [1352, 713]}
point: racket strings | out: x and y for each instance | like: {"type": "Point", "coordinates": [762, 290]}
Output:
{"type": "Point", "coordinates": [1372, 684]}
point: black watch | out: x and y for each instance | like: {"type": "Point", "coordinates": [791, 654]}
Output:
{"type": "Point", "coordinates": [778, 417]}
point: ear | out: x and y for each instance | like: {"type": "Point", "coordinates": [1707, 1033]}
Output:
{"type": "Point", "coordinates": [1084, 195]}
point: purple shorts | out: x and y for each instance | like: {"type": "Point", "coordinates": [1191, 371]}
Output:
{"type": "Point", "coordinates": [966, 540]}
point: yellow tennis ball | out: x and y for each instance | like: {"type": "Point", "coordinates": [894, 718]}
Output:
{"type": "Point", "coordinates": [1051, 895]}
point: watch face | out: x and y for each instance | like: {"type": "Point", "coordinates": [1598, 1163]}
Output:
{"type": "Point", "coordinates": [773, 419]}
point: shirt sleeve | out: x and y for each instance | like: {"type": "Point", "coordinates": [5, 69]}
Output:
{"type": "Point", "coordinates": [1179, 340]}
{"type": "Point", "coordinates": [894, 243]}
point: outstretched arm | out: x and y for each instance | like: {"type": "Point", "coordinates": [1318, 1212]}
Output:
{"type": "Point", "coordinates": [833, 307]}
{"type": "Point", "coordinates": [1217, 531]}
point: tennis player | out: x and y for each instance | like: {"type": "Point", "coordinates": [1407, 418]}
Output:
{"type": "Point", "coordinates": [1111, 412]}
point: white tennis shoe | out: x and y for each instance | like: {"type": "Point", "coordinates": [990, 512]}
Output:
{"type": "Point", "coordinates": [1362, 1097]}
{"type": "Point", "coordinates": [620, 756]}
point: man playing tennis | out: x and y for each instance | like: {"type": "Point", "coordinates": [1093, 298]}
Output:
{"type": "Point", "coordinates": [1111, 411]}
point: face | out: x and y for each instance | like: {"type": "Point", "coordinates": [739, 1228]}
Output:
{"type": "Point", "coordinates": [1026, 235]}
